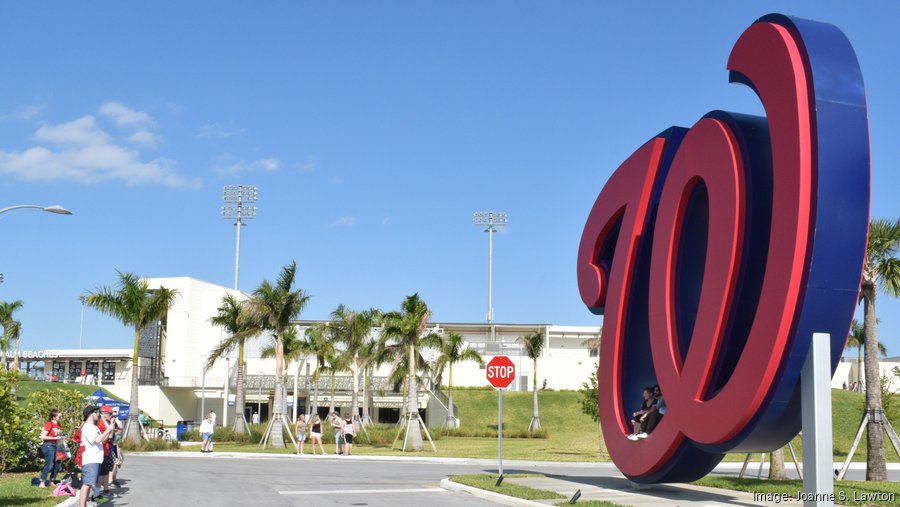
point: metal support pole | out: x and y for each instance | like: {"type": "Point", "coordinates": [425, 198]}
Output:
{"type": "Point", "coordinates": [237, 252]}
{"type": "Point", "coordinates": [500, 431]}
{"type": "Point", "coordinates": [490, 312]}
{"type": "Point", "coordinates": [203, 395]}
{"type": "Point", "coordinates": [815, 385]}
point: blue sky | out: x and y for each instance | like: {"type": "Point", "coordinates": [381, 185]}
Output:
{"type": "Point", "coordinates": [373, 131]}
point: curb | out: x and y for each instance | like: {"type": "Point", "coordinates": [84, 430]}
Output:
{"type": "Point", "coordinates": [490, 495]}
{"type": "Point", "coordinates": [375, 458]}
{"type": "Point", "coordinates": [72, 500]}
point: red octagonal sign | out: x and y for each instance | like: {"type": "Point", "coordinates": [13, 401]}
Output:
{"type": "Point", "coordinates": [501, 372]}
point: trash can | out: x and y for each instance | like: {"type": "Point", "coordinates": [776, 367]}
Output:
{"type": "Point", "coordinates": [180, 428]}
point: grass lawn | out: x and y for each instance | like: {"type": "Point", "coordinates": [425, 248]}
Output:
{"type": "Point", "coordinates": [488, 482]}
{"type": "Point", "coordinates": [846, 492]}
{"type": "Point", "coordinates": [572, 435]}
{"type": "Point", "coordinates": [16, 489]}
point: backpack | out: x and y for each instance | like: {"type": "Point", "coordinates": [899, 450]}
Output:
{"type": "Point", "coordinates": [63, 489]}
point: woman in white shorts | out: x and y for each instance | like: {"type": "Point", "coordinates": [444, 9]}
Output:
{"type": "Point", "coordinates": [300, 429]}
{"type": "Point", "coordinates": [315, 434]}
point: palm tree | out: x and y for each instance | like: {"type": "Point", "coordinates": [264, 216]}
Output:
{"type": "Point", "coordinates": [239, 330]}
{"type": "Point", "coordinates": [271, 308]}
{"type": "Point", "coordinates": [452, 350]}
{"type": "Point", "coordinates": [370, 355]}
{"type": "Point", "coordinates": [407, 328]}
{"type": "Point", "coordinates": [857, 338]}
{"type": "Point", "coordinates": [534, 345]}
{"type": "Point", "coordinates": [317, 342]}
{"type": "Point", "coordinates": [352, 329]}
{"type": "Point", "coordinates": [337, 363]}
{"type": "Point", "coordinates": [11, 330]}
{"type": "Point", "coordinates": [134, 304]}
{"type": "Point", "coordinates": [882, 271]}
{"type": "Point", "coordinates": [293, 351]}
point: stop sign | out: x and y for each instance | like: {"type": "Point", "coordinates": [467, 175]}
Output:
{"type": "Point", "coordinates": [501, 372]}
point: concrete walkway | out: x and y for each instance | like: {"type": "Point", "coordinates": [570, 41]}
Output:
{"type": "Point", "coordinates": [621, 491]}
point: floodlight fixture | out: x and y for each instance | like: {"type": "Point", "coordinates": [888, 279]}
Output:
{"type": "Point", "coordinates": [238, 200]}
{"type": "Point", "coordinates": [491, 220]}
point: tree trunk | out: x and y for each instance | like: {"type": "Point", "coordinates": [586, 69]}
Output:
{"type": "Point", "coordinates": [859, 365]}
{"type": "Point", "coordinates": [15, 364]}
{"type": "Point", "coordinates": [315, 404]}
{"type": "Point", "coordinates": [331, 407]}
{"type": "Point", "coordinates": [776, 465]}
{"type": "Point", "coordinates": [535, 418]}
{"type": "Point", "coordinates": [452, 422]}
{"type": "Point", "coordinates": [405, 404]}
{"type": "Point", "coordinates": [367, 416]}
{"type": "Point", "coordinates": [133, 424]}
{"type": "Point", "coordinates": [876, 469]}
{"type": "Point", "coordinates": [414, 437]}
{"type": "Point", "coordinates": [354, 400]}
{"type": "Point", "coordinates": [276, 429]}
{"type": "Point", "coordinates": [240, 423]}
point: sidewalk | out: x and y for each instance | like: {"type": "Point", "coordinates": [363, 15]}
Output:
{"type": "Point", "coordinates": [621, 491]}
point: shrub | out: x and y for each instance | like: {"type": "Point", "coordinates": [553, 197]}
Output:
{"type": "Point", "coordinates": [491, 432]}
{"type": "Point", "coordinates": [15, 446]}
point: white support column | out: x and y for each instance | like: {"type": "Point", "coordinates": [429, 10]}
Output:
{"type": "Point", "coordinates": [815, 385]}
{"type": "Point", "coordinates": [225, 400]}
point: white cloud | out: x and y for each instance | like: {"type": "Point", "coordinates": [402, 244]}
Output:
{"type": "Point", "coordinates": [215, 130]}
{"type": "Point", "coordinates": [145, 138]}
{"type": "Point", "coordinates": [386, 221]}
{"type": "Point", "coordinates": [80, 151]}
{"type": "Point", "coordinates": [335, 180]}
{"type": "Point", "coordinates": [242, 166]}
{"type": "Point", "coordinates": [81, 132]}
{"type": "Point", "coordinates": [344, 222]}
{"type": "Point", "coordinates": [124, 116]}
{"type": "Point", "coordinates": [28, 112]}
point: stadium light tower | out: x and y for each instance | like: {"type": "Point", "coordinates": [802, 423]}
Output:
{"type": "Point", "coordinates": [491, 220]}
{"type": "Point", "coordinates": [238, 201]}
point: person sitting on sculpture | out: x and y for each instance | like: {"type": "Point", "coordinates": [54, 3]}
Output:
{"type": "Point", "coordinates": [657, 411]}
{"type": "Point", "coordinates": [639, 418]}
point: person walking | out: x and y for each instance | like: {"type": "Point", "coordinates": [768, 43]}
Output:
{"type": "Point", "coordinates": [106, 422]}
{"type": "Point", "coordinates": [212, 419]}
{"type": "Point", "coordinates": [300, 428]}
{"type": "Point", "coordinates": [337, 424]}
{"type": "Point", "coordinates": [206, 431]}
{"type": "Point", "coordinates": [255, 418]}
{"type": "Point", "coordinates": [315, 434]}
{"type": "Point", "coordinates": [92, 452]}
{"type": "Point", "coordinates": [51, 434]}
{"type": "Point", "coordinates": [348, 436]}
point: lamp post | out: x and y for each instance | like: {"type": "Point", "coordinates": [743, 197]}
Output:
{"type": "Point", "coordinates": [491, 220]}
{"type": "Point", "coordinates": [236, 199]}
{"type": "Point", "coordinates": [59, 210]}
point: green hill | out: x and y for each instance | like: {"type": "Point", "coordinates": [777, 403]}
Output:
{"type": "Point", "coordinates": [571, 431]}
{"type": "Point", "coordinates": [26, 387]}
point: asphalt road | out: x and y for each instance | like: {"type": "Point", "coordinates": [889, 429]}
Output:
{"type": "Point", "coordinates": [225, 479]}
{"type": "Point", "coordinates": [301, 480]}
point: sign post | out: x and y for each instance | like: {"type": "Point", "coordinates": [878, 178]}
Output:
{"type": "Point", "coordinates": [500, 373]}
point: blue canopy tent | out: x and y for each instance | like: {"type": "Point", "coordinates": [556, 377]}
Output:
{"type": "Point", "coordinates": [120, 408]}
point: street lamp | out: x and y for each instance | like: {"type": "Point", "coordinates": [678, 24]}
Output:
{"type": "Point", "coordinates": [236, 199]}
{"type": "Point", "coordinates": [59, 210]}
{"type": "Point", "coordinates": [491, 220]}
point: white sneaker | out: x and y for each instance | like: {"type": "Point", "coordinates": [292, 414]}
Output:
{"type": "Point", "coordinates": [632, 437]}
{"type": "Point", "coordinates": [642, 435]}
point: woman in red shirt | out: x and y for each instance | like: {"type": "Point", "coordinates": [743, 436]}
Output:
{"type": "Point", "coordinates": [51, 434]}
